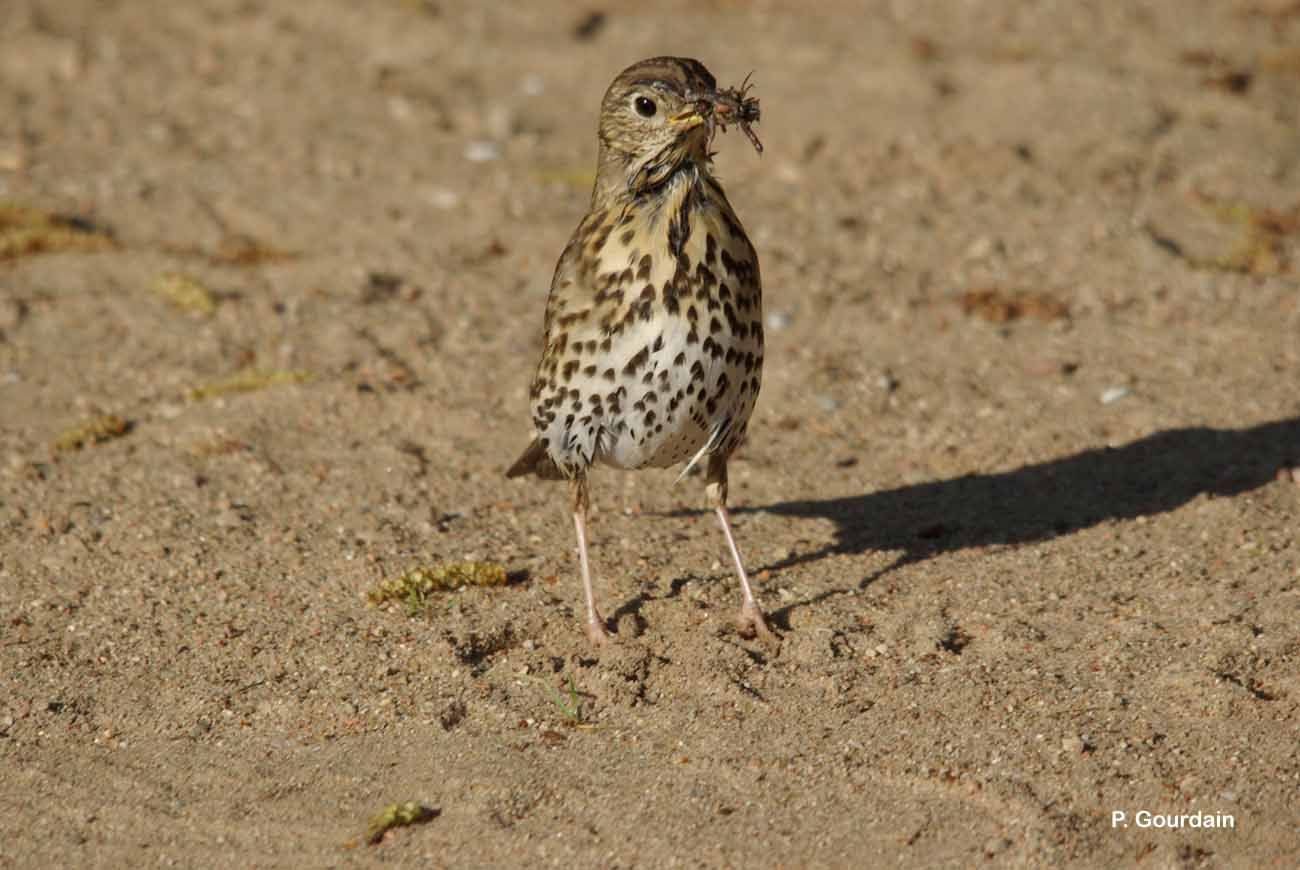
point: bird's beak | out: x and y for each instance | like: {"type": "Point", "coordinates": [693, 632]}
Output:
{"type": "Point", "coordinates": [702, 108]}
{"type": "Point", "coordinates": [687, 120]}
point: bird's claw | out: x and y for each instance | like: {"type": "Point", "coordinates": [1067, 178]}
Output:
{"type": "Point", "coordinates": [597, 634]}
{"type": "Point", "coordinates": [750, 622]}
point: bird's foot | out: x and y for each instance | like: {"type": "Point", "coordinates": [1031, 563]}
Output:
{"type": "Point", "coordinates": [597, 633]}
{"type": "Point", "coordinates": [750, 622]}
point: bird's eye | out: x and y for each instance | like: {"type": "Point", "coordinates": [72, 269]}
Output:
{"type": "Point", "coordinates": [645, 107]}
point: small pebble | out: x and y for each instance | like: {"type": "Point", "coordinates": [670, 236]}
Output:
{"type": "Point", "coordinates": [442, 198]}
{"type": "Point", "coordinates": [778, 320]}
{"type": "Point", "coordinates": [1114, 394]}
{"type": "Point", "coordinates": [995, 846]}
{"type": "Point", "coordinates": [400, 108]}
{"type": "Point", "coordinates": [828, 403]}
{"type": "Point", "coordinates": [533, 85]}
{"type": "Point", "coordinates": [980, 248]}
{"type": "Point", "coordinates": [482, 151]}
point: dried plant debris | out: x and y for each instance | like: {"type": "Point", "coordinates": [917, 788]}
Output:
{"type": "Point", "coordinates": [248, 380]}
{"type": "Point", "coordinates": [1221, 73]}
{"type": "Point", "coordinates": [1261, 249]}
{"type": "Point", "coordinates": [398, 816]}
{"type": "Point", "coordinates": [415, 586]}
{"type": "Point", "coordinates": [997, 305]}
{"type": "Point", "coordinates": [924, 49]}
{"type": "Point", "coordinates": [1277, 11]}
{"type": "Point", "coordinates": [234, 249]}
{"type": "Point", "coordinates": [241, 250]}
{"type": "Point", "coordinates": [589, 26]}
{"type": "Point", "coordinates": [218, 446]}
{"type": "Point", "coordinates": [576, 178]}
{"type": "Point", "coordinates": [1234, 81]}
{"type": "Point", "coordinates": [387, 287]}
{"type": "Point", "coordinates": [1285, 62]}
{"type": "Point", "coordinates": [426, 7]}
{"type": "Point", "coordinates": [184, 293]}
{"type": "Point", "coordinates": [95, 431]}
{"type": "Point", "coordinates": [26, 231]}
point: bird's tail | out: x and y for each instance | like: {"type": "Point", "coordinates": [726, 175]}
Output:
{"type": "Point", "coordinates": [535, 460]}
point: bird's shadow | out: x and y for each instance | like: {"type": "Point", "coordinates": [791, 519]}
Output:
{"type": "Point", "coordinates": [1149, 476]}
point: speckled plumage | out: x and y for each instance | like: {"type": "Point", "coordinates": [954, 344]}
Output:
{"type": "Point", "coordinates": [653, 346]}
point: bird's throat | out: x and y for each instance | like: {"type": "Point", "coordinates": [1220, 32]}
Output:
{"type": "Point", "coordinates": [629, 176]}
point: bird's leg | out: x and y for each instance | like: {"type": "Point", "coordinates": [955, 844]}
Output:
{"type": "Point", "coordinates": [750, 620]}
{"type": "Point", "coordinates": [595, 625]}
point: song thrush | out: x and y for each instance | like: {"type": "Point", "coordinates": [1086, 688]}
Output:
{"type": "Point", "coordinates": [653, 346]}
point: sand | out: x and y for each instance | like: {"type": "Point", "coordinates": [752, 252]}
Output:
{"type": "Point", "coordinates": [1021, 492]}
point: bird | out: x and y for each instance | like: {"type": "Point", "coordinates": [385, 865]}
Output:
{"type": "Point", "coordinates": [652, 351]}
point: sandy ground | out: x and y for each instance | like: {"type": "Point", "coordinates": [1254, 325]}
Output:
{"type": "Point", "coordinates": [1021, 491]}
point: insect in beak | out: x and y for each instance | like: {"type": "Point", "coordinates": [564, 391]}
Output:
{"type": "Point", "coordinates": [735, 106]}
{"type": "Point", "coordinates": [720, 109]}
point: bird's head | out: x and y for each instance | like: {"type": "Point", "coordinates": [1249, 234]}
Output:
{"type": "Point", "coordinates": [658, 116]}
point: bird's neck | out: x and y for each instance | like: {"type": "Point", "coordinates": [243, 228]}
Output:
{"type": "Point", "coordinates": [623, 178]}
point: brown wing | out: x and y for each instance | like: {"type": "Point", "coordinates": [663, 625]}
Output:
{"type": "Point", "coordinates": [535, 460]}
{"type": "Point", "coordinates": [575, 295]}
{"type": "Point", "coordinates": [569, 298]}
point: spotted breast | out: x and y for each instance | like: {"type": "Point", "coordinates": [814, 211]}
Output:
{"type": "Point", "coordinates": [661, 361]}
